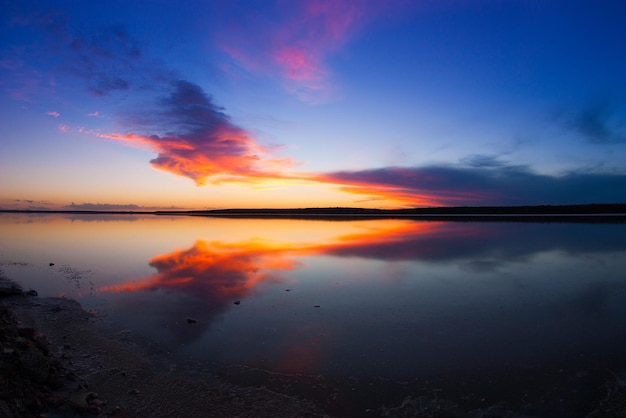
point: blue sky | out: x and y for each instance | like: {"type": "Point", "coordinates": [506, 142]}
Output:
{"type": "Point", "coordinates": [211, 104]}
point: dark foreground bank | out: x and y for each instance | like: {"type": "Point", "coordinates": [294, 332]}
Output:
{"type": "Point", "coordinates": [59, 361]}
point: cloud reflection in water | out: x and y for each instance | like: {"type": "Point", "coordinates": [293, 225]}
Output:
{"type": "Point", "coordinates": [495, 263]}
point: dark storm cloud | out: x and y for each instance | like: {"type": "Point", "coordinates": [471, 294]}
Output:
{"type": "Point", "coordinates": [446, 185]}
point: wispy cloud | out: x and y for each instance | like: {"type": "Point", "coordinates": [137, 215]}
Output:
{"type": "Point", "coordinates": [105, 60]}
{"type": "Point", "coordinates": [94, 114]}
{"type": "Point", "coordinates": [295, 42]}
{"type": "Point", "coordinates": [109, 59]}
{"type": "Point", "coordinates": [53, 114]}
{"type": "Point", "coordinates": [28, 204]}
{"type": "Point", "coordinates": [600, 122]}
{"type": "Point", "coordinates": [483, 161]}
{"type": "Point", "coordinates": [194, 138]}
{"type": "Point", "coordinates": [598, 125]}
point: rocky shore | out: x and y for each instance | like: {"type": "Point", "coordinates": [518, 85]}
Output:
{"type": "Point", "coordinates": [58, 361]}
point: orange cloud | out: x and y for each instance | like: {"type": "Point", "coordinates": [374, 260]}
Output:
{"type": "Point", "coordinates": [194, 138]}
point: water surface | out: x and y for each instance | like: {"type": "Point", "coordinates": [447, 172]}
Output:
{"type": "Point", "coordinates": [394, 298]}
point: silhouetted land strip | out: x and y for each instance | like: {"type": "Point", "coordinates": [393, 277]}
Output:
{"type": "Point", "coordinates": [569, 213]}
{"type": "Point", "coordinates": [615, 212]}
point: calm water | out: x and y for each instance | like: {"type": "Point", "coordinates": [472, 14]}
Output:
{"type": "Point", "coordinates": [391, 298]}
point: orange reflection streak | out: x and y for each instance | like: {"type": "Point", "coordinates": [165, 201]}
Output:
{"type": "Point", "coordinates": [204, 280]}
{"type": "Point", "coordinates": [223, 271]}
{"type": "Point", "coordinates": [218, 271]}
{"type": "Point", "coordinates": [304, 350]}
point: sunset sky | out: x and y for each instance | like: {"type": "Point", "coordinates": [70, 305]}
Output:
{"type": "Point", "coordinates": [131, 105]}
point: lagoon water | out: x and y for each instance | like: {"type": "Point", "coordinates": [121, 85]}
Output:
{"type": "Point", "coordinates": [393, 298]}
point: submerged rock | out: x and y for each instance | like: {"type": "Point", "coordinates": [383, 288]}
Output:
{"type": "Point", "coordinates": [191, 320]}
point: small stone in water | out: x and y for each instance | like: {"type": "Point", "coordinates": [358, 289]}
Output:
{"type": "Point", "coordinates": [191, 321]}
{"type": "Point", "coordinates": [237, 302]}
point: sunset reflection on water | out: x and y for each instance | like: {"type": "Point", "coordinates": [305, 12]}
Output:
{"type": "Point", "coordinates": [391, 297]}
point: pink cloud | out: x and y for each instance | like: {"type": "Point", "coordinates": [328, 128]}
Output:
{"type": "Point", "coordinates": [94, 114]}
{"type": "Point", "coordinates": [53, 114]}
{"type": "Point", "coordinates": [296, 48]}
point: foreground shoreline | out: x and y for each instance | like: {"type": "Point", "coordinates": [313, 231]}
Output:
{"type": "Point", "coordinates": [93, 369]}
{"type": "Point", "coordinates": [83, 368]}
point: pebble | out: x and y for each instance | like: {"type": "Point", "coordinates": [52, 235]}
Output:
{"type": "Point", "coordinates": [133, 392]}
{"type": "Point", "coordinates": [191, 321]}
{"type": "Point", "coordinates": [237, 302]}
{"type": "Point", "coordinates": [26, 332]}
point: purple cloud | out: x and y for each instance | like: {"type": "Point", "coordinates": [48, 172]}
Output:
{"type": "Point", "coordinates": [445, 185]}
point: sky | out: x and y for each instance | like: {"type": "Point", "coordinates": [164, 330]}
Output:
{"type": "Point", "coordinates": [144, 105]}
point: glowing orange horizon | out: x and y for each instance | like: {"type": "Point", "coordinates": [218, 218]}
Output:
{"type": "Point", "coordinates": [225, 167]}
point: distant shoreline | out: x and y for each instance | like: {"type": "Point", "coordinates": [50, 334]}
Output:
{"type": "Point", "coordinates": [543, 213]}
